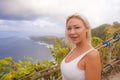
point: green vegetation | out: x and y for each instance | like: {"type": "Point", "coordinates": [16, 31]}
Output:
{"type": "Point", "coordinates": [106, 30]}
{"type": "Point", "coordinates": [11, 70]}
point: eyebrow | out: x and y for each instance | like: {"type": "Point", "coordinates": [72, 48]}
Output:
{"type": "Point", "coordinates": [74, 25]}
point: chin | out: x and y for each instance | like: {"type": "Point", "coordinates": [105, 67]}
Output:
{"type": "Point", "coordinates": [75, 42]}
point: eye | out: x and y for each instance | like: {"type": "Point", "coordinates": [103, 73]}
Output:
{"type": "Point", "coordinates": [77, 27]}
{"type": "Point", "coordinates": [68, 28]}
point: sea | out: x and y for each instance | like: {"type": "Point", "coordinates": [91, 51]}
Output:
{"type": "Point", "coordinates": [18, 45]}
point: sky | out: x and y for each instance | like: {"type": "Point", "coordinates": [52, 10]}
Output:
{"type": "Point", "coordinates": [48, 16]}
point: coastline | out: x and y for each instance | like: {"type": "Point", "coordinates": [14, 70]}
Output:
{"type": "Point", "coordinates": [45, 44]}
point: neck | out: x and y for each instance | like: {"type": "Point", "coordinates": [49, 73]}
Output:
{"type": "Point", "coordinates": [84, 45]}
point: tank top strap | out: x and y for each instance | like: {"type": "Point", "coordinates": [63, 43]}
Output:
{"type": "Point", "coordinates": [84, 54]}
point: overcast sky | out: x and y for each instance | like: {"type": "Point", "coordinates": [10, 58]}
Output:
{"type": "Point", "coordinates": [48, 16]}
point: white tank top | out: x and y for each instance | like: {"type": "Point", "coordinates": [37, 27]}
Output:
{"type": "Point", "coordinates": [70, 70]}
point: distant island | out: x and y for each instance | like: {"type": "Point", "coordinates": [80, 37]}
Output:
{"type": "Point", "coordinates": [45, 39]}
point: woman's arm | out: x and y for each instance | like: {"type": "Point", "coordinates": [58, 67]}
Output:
{"type": "Point", "coordinates": [93, 66]}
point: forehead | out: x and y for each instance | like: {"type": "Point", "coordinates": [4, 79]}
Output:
{"type": "Point", "coordinates": [74, 21]}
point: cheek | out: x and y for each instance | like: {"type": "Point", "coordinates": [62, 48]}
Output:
{"type": "Point", "coordinates": [67, 33]}
{"type": "Point", "coordinates": [80, 31]}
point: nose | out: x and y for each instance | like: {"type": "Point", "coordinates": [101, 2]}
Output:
{"type": "Point", "coordinates": [72, 31]}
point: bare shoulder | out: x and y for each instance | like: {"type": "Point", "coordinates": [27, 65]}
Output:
{"type": "Point", "coordinates": [93, 55]}
{"type": "Point", "coordinates": [93, 65]}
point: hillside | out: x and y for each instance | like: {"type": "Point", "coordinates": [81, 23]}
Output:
{"type": "Point", "coordinates": [44, 39]}
{"type": "Point", "coordinates": [106, 30]}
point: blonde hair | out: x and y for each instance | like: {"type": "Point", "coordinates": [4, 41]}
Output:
{"type": "Point", "coordinates": [68, 42]}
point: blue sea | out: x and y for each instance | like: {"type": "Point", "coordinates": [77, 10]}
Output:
{"type": "Point", "coordinates": [18, 45]}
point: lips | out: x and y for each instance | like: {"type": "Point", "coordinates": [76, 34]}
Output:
{"type": "Point", "coordinates": [73, 38]}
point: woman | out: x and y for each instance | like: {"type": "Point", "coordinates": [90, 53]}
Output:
{"type": "Point", "coordinates": [83, 61]}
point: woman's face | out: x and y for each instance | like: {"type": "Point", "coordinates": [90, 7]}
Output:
{"type": "Point", "coordinates": [76, 30]}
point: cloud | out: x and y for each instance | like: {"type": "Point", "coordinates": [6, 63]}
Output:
{"type": "Point", "coordinates": [28, 9]}
{"type": "Point", "coordinates": [39, 26]}
{"type": "Point", "coordinates": [31, 9]}
{"type": "Point", "coordinates": [49, 16]}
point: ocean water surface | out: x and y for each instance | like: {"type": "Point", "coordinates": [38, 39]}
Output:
{"type": "Point", "coordinates": [18, 44]}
